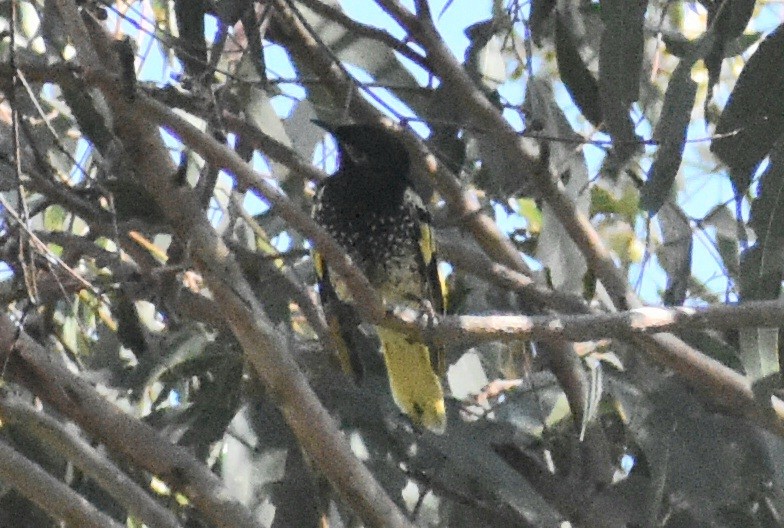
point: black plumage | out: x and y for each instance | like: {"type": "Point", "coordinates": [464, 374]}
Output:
{"type": "Point", "coordinates": [369, 207]}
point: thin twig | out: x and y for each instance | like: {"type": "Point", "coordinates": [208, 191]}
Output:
{"type": "Point", "coordinates": [309, 308]}
{"type": "Point", "coordinates": [41, 247]}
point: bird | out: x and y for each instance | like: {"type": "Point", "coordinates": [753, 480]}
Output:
{"type": "Point", "coordinates": [370, 208]}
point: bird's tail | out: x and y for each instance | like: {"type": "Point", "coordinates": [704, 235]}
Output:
{"type": "Point", "coordinates": [415, 385]}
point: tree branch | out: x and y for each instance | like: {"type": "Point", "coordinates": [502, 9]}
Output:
{"type": "Point", "coordinates": [307, 49]}
{"type": "Point", "coordinates": [534, 297]}
{"type": "Point", "coordinates": [468, 330]}
{"type": "Point", "coordinates": [48, 493]}
{"type": "Point", "coordinates": [702, 372]}
{"type": "Point", "coordinates": [136, 126]}
{"type": "Point", "coordinates": [31, 365]}
{"type": "Point", "coordinates": [462, 203]}
{"type": "Point", "coordinates": [368, 301]}
{"type": "Point", "coordinates": [484, 116]}
{"type": "Point", "coordinates": [111, 478]}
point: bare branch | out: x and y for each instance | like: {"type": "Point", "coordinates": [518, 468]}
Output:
{"type": "Point", "coordinates": [48, 493]}
{"type": "Point", "coordinates": [363, 30]}
{"type": "Point", "coordinates": [533, 296]}
{"type": "Point", "coordinates": [699, 370]}
{"type": "Point", "coordinates": [97, 466]}
{"type": "Point", "coordinates": [473, 329]}
{"type": "Point", "coordinates": [486, 117]}
{"type": "Point", "coordinates": [135, 125]}
{"type": "Point", "coordinates": [32, 365]}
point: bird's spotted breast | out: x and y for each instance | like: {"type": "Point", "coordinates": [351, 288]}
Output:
{"type": "Point", "coordinates": [385, 246]}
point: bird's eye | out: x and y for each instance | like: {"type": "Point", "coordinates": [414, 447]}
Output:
{"type": "Point", "coordinates": [358, 156]}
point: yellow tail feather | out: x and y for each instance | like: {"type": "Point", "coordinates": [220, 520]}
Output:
{"type": "Point", "coordinates": [415, 386]}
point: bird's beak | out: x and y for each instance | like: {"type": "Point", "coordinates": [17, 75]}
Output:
{"type": "Point", "coordinates": [323, 124]}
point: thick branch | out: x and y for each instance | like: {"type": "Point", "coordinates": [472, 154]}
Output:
{"type": "Point", "coordinates": [97, 466]}
{"type": "Point", "coordinates": [702, 372]}
{"type": "Point", "coordinates": [51, 495]}
{"type": "Point", "coordinates": [30, 364]}
{"type": "Point", "coordinates": [484, 116]}
{"type": "Point", "coordinates": [262, 343]}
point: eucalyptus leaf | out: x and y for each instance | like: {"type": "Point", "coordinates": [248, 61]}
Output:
{"type": "Point", "coordinates": [579, 81]}
{"type": "Point", "coordinates": [671, 134]}
{"type": "Point", "coordinates": [753, 119]}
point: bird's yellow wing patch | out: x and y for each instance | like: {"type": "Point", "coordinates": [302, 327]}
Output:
{"type": "Point", "coordinates": [427, 243]}
{"type": "Point", "coordinates": [333, 305]}
{"type": "Point", "coordinates": [344, 354]}
{"type": "Point", "coordinates": [436, 284]}
{"type": "Point", "coordinates": [319, 265]}
{"type": "Point", "coordinates": [427, 247]}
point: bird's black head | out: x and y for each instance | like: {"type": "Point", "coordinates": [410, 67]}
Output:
{"type": "Point", "coordinates": [372, 148]}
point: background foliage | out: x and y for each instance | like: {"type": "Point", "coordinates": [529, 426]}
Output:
{"type": "Point", "coordinates": [577, 157]}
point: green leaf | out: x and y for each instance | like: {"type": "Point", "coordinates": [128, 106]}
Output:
{"type": "Point", "coordinates": [620, 57]}
{"type": "Point", "coordinates": [577, 79]}
{"type": "Point", "coordinates": [676, 43]}
{"type": "Point", "coordinates": [622, 199]}
{"type": "Point", "coordinates": [759, 352]}
{"type": "Point", "coordinates": [671, 133]}
{"type": "Point", "coordinates": [763, 263]}
{"type": "Point", "coordinates": [727, 228]}
{"type": "Point", "coordinates": [259, 112]}
{"type": "Point", "coordinates": [54, 218]}
{"type": "Point", "coordinates": [760, 278]}
{"type": "Point", "coordinates": [753, 119]}
{"type": "Point", "coordinates": [767, 210]}
{"type": "Point", "coordinates": [727, 20]}
{"type": "Point", "coordinates": [675, 253]}
{"type": "Point", "coordinates": [741, 44]}
{"type": "Point", "coordinates": [527, 208]}
{"type": "Point", "coordinates": [620, 67]}
{"type": "Point", "coordinates": [762, 268]}
{"type": "Point", "coordinates": [556, 250]}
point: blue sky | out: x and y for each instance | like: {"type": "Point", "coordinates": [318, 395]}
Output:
{"type": "Point", "coordinates": [705, 183]}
